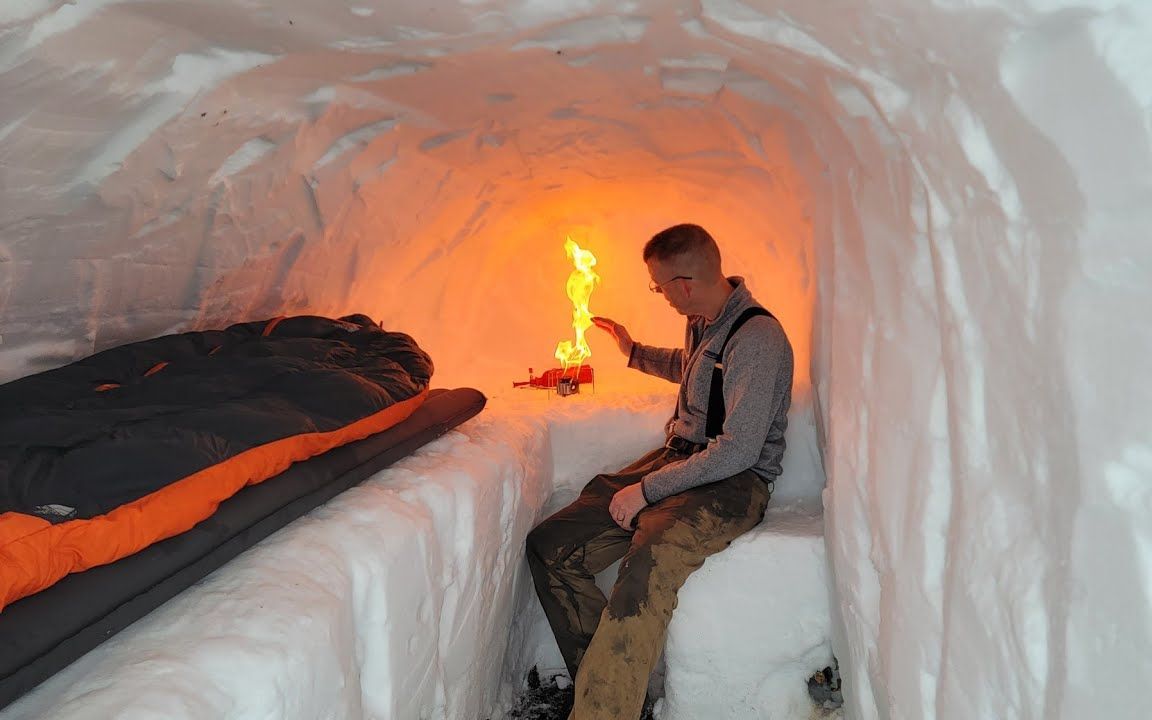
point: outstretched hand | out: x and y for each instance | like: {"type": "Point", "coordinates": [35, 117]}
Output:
{"type": "Point", "coordinates": [618, 332]}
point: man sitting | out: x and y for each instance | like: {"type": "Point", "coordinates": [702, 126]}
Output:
{"type": "Point", "coordinates": [667, 512]}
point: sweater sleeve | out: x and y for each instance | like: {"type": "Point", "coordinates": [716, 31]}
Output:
{"type": "Point", "coordinates": [667, 363]}
{"type": "Point", "coordinates": [755, 366]}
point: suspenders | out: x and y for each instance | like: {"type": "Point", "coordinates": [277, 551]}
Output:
{"type": "Point", "coordinates": [714, 423]}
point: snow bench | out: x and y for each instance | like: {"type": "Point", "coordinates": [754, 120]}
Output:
{"type": "Point", "coordinates": [752, 626]}
{"type": "Point", "coordinates": [408, 596]}
{"type": "Point", "coordinates": [754, 623]}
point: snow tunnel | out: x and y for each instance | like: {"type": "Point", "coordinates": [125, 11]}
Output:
{"type": "Point", "coordinates": [945, 203]}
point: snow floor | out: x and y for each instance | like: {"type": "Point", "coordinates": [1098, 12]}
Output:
{"type": "Point", "coordinates": [408, 596]}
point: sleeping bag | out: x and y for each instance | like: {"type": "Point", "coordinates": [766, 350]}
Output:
{"type": "Point", "coordinates": [106, 456]}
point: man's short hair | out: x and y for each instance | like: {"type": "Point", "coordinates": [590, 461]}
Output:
{"type": "Point", "coordinates": [684, 239]}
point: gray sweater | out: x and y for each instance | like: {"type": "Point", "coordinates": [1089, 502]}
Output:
{"type": "Point", "coordinates": [757, 393]}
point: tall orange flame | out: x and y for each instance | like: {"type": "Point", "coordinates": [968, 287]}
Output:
{"type": "Point", "coordinates": [580, 285]}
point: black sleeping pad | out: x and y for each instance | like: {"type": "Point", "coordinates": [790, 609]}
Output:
{"type": "Point", "coordinates": [43, 633]}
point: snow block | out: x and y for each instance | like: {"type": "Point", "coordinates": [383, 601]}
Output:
{"type": "Point", "coordinates": [393, 600]}
{"type": "Point", "coordinates": [752, 625]}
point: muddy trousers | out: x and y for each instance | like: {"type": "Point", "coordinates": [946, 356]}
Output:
{"type": "Point", "coordinates": [610, 645]}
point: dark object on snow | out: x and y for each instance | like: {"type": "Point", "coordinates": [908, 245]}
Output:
{"type": "Point", "coordinates": [42, 634]}
{"type": "Point", "coordinates": [553, 700]}
{"type": "Point", "coordinates": [824, 687]}
{"type": "Point", "coordinates": [133, 445]}
{"type": "Point", "coordinates": [203, 443]}
{"type": "Point", "coordinates": [544, 701]}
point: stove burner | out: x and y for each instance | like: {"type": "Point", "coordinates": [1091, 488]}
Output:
{"type": "Point", "coordinates": [563, 382]}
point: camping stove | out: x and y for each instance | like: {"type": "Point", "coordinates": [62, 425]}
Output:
{"type": "Point", "coordinates": [563, 381]}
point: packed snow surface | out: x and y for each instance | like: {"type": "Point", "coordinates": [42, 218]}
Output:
{"type": "Point", "coordinates": [409, 597]}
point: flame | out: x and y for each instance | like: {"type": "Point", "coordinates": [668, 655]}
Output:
{"type": "Point", "coordinates": [580, 285]}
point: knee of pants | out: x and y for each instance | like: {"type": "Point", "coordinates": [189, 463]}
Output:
{"type": "Point", "coordinates": [541, 544]}
{"type": "Point", "coordinates": [603, 486]}
{"type": "Point", "coordinates": [636, 583]}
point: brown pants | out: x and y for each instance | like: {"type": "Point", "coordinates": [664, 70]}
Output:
{"type": "Point", "coordinates": [610, 645]}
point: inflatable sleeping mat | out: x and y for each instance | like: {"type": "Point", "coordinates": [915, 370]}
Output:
{"type": "Point", "coordinates": [128, 476]}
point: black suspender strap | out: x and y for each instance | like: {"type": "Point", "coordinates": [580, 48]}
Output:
{"type": "Point", "coordinates": [714, 424]}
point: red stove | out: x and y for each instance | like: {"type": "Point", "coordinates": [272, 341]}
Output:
{"type": "Point", "coordinates": [564, 381]}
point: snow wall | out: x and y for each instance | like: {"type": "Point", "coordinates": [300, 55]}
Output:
{"type": "Point", "coordinates": [947, 203]}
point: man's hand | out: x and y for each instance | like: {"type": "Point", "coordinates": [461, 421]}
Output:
{"type": "Point", "coordinates": [618, 332]}
{"type": "Point", "coordinates": [625, 504]}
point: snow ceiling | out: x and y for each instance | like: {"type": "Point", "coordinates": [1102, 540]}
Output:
{"type": "Point", "coordinates": [947, 202]}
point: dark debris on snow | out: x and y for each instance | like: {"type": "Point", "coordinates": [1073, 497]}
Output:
{"type": "Point", "coordinates": [551, 698]}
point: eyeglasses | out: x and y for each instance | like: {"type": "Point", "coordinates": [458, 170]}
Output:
{"type": "Point", "coordinates": [658, 288]}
